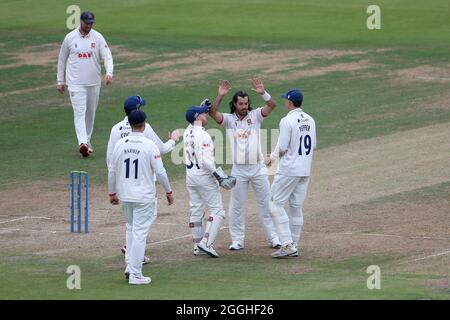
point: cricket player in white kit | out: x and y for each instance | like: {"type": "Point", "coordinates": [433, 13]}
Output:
{"type": "Point", "coordinates": [295, 149]}
{"type": "Point", "coordinates": [202, 181]}
{"type": "Point", "coordinates": [135, 161]}
{"type": "Point", "coordinates": [243, 129]}
{"type": "Point", "coordinates": [123, 129]}
{"type": "Point", "coordinates": [79, 60]}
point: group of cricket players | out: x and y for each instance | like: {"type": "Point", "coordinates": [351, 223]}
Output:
{"type": "Point", "coordinates": [134, 164]}
{"type": "Point", "coordinates": [134, 158]}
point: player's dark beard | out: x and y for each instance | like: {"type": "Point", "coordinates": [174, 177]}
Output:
{"type": "Point", "coordinates": [86, 29]}
{"type": "Point", "coordinates": [243, 113]}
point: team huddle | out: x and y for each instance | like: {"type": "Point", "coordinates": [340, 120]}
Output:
{"type": "Point", "coordinates": [134, 164]}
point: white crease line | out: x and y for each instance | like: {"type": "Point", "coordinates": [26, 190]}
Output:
{"type": "Point", "coordinates": [46, 218]}
{"type": "Point", "coordinates": [30, 230]}
{"type": "Point", "coordinates": [378, 235]}
{"type": "Point", "coordinates": [56, 231]}
{"type": "Point", "coordinates": [397, 236]}
{"type": "Point", "coordinates": [167, 223]}
{"type": "Point", "coordinates": [158, 242]}
{"type": "Point", "coordinates": [18, 219]}
{"type": "Point", "coordinates": [431, 256]}
{"type": "Point", "coordinates": [432, 78]}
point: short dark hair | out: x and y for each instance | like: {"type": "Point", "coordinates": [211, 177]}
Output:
{"type": "Point", "coordinates": [238, 94]}
{"type": "Point", "coordinates": [297, 104]}
{"type": "Point", "coordinates": [137, 125]}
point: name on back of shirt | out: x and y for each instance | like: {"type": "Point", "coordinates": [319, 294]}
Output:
{"type": "Point", "coordinates": [131, 150]}
{"type": "Point", "coordinates": [304, 127]}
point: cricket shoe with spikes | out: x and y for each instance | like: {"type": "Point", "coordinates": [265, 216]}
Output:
{"type": "Point", "coordinates": [236, 246]}
{"type": "Point", "coordinates": [286, 251]}
{"type": "Point", "coordinates": [209, 250]}
{"type": "Point", "coordinates": [197, 251]}
{"type": "Point", "coordinates": [275, 243]}
{"type": "Point", "coordinates": [139, 279]}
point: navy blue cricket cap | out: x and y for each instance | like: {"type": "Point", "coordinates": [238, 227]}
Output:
{"type": "Point", "coordinates": [136, 116]}
{"type": "Point", "coordinates": [87, 17]}
{"type": "Point", "coordinates": [193, 112]}
{"type": "Point", "coordinates": [133, 102]}
{"type": "Point", "coordinates": [293, 95]}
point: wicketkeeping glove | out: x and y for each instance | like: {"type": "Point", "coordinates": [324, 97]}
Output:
{"type": "Point", "coordinates": [226, 182]}
{"type": "Point", "coordinates": [205, 103]}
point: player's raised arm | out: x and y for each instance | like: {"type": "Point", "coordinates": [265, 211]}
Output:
{"type": "Point", "coordinates": [224, 88]}
{"type": "Point", "coordinates": [258, 87]}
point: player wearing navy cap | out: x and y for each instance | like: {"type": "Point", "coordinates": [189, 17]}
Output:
{"type": "Point", "coordinates": [123, 129]}
{"type": "Point", "coordinates": [203, 180]}
{"type": "Point", "coordinates": [135, 162]}
{"type": "Point", "coordinates": [79, 60]}
{"type": "Point", "coordinates": [295, 149]}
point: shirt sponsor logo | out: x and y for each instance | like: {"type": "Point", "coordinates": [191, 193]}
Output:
{"type": "Point", "coordinates": [84, 55]}
{"type": "Point", "coordinates": [243, 134]}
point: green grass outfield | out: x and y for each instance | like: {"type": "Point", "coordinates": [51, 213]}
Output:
{"type": "Point", "coordinates": [38, 140]}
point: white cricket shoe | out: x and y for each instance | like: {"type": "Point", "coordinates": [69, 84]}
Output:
{"type": "Point", "coordinates": [138, 279]}
{"type": "Point", "coordinates": [286, 251]}
{"type": "Point", "coordinates": [144, 261]}
{"type": "Point", "coordinates": [208, 250]}
{"type": "Point", "coordinates": [275, 243]}
{"type": "Point", "coordinates": [197, 251]}
{"type": "Point", "coordinates": [235, 246]}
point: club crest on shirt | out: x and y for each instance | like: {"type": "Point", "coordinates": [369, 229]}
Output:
{"type": "Point", "coordinates": [93, 45]}
{"type": "Point", "coordinates": [249, 122]}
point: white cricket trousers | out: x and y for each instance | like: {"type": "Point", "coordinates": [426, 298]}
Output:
{"type": "Point", "coordinates": [294, 190]}
{"type": "Point", "coordinates": [200, 197]}
{"type": "Point", "coordinates": [139, 217]}
{"type": "Point", "coordinates": [246, 174]}
{"type": "Point", "coordinates": [84, 103]}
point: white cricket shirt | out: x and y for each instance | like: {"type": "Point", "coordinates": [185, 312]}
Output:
{"type": "Point", "coordinates": [244, 136]}
{"type": "Point", "coordinates": [198, 156]}
{"type": "Point", "coordinates": [123, 129]}
{"type": "Point", "coordinates": [135, 161]}
{"type": "Point", "coordinates": [298, 139]}
{"type": "Point", "coordinates": [79, 57]}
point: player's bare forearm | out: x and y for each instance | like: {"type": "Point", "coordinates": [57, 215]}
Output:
{"type": "Point", "coordinates": [216, 115]}
{"type": "Point", "coordinates": [224, 88]}
{"type": "Point", "coordinates": [269, 107]}
{"type": "Point", "coordinates": [258, 86]}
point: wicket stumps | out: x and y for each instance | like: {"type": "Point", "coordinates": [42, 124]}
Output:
{"type": "Point", "coordinates": [79, 177]}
